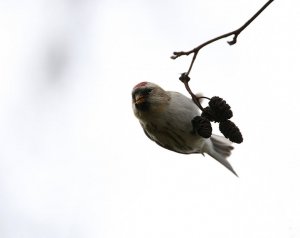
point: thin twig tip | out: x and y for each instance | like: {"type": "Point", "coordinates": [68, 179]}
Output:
{"type": "Point", "coordinates": [232, 42]}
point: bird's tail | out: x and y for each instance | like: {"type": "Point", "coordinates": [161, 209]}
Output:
{"type": "Point", "coordinates": [220, 148]}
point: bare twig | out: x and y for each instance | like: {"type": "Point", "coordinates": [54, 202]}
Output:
{"type": "Point", "coordinates": [232, 42]}
{"type": "Point", "coordinates": [185, 76]}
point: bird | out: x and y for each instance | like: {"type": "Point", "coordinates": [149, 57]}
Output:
{"type": "Point", "coordinates": [165, 117]}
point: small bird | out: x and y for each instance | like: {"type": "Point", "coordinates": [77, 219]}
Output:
{"type": "Point", "coordinates": [166, 116]}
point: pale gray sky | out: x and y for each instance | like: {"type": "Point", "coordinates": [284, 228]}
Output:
{"type": "Point", "coordinates": [74, 161]}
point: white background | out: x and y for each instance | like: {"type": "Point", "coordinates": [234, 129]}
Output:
{"type": "Point", "coordinates": [74, 161]}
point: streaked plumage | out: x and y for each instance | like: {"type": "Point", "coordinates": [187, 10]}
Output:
{"type": "Point", "coordinates": [165, 117]}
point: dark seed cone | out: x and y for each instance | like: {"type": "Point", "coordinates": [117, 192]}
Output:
{"type": "Point", "coordinates": [231, 131]}
{"type": "Point", "coordinates": [202, 126]}
{"type": "Point", "coordinates": [220, 108]}
{"type": "Point", "coordinates": [208, 114]}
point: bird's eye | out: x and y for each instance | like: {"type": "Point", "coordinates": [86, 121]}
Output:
{"type": "Point", "coordinates": [146, 91]}
{"type": "Point", "coordinates": [142, 91]}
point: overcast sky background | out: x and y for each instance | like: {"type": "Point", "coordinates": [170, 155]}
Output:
{"type": "Point", "coordinates": [74, 161]}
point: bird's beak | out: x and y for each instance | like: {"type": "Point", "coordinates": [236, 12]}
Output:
{"type": "Point", "coordinates": [138, 99]}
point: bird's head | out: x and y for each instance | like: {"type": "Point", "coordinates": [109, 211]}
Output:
{"type": "Point", "coordinates": [148, 98]}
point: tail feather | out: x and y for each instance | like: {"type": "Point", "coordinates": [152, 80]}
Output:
{"type": "Point", "coordinates": [220, 148]}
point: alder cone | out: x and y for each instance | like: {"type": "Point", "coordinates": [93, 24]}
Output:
{"type": "Point", "coordinates": [220, 109]}
{"type": "Point", "coordinates": [202, 126]}
{"type": "Point", "coordinates": [231, 131]}
{"type": "Point", "coordinates": [208, 113]}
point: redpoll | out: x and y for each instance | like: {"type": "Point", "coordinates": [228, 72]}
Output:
{"type": "Point", "coordinates": [166, 118]}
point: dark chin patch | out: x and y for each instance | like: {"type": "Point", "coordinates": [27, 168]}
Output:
{"type": "Point", "coordinates": [144, 106]}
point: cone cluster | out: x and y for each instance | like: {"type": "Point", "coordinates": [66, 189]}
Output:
{"type": "Point", "coordinates": [217, 111]}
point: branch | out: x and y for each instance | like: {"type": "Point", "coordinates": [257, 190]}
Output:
{"type": "Point", "coordinates": [185, 76]}
{"type": "Point", "coordinates": [232, 42]}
